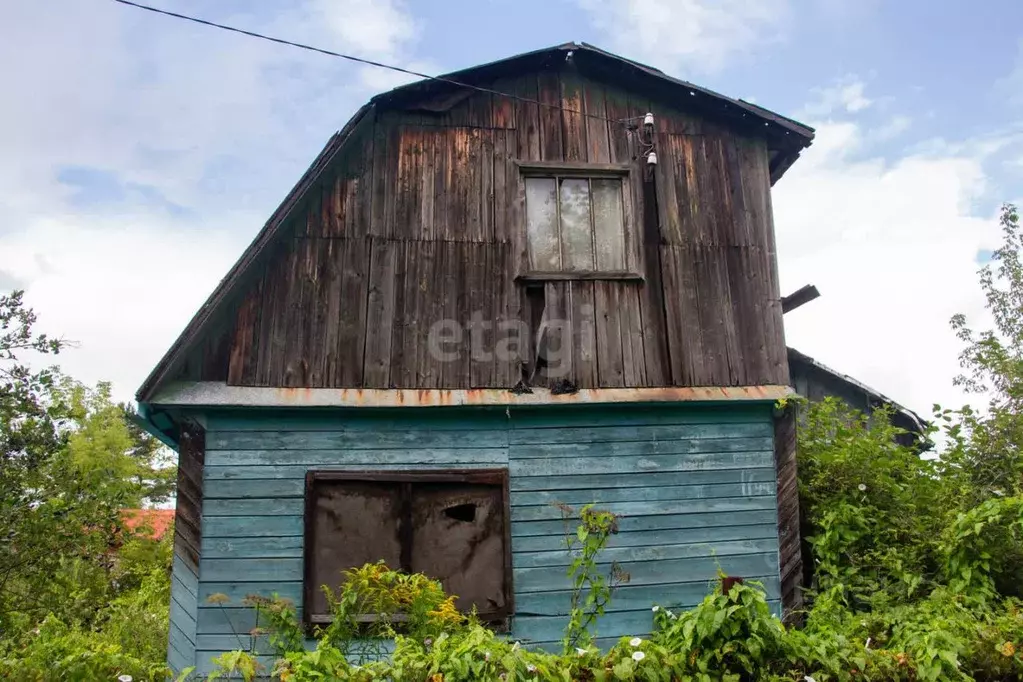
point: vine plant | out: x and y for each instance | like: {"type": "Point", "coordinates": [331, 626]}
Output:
{"type": "Point", "coordinates": [591, 587]}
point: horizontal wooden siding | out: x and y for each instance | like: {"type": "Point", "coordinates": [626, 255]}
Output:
{"type": "Point", "coordinates": [695, 487]}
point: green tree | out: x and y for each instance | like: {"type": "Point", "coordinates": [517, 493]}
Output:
{"type": "Point", "coordinates": [986, 447]}
{"type": "Point", "coordinates": [69, 463]}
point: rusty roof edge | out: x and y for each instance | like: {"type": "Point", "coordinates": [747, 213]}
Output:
{"type": "Point", "coordinates": [219, 394]}
{"type": "Point", "coordinates": [259, 243]}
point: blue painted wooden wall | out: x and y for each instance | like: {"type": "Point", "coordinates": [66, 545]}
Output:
{"type": "Point", "coordinates": [695, 486]}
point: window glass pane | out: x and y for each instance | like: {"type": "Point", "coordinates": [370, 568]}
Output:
{"type": "Point", "coordinates": [576, 231]}
{"type": "Point", "coordinates": [542, 224]}
{"type": "Point", "coordinates": [608, 227]}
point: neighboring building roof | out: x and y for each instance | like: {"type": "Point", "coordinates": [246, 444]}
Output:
{"type": "Point", "coordinates": [857, 394]}
{"type": "Point", "coordinates": [785, 137]}
{"type": "Point", "coordinates": [155, 522]}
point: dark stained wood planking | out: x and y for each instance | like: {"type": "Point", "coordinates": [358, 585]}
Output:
{"type": "Point", "coordinates": [380, 313]}
{"type": "Point", "coordinates": [188, 507]}
{"type": "Point", "coordinates": [789, 542]}
{"type": "Point", "coordinates": [421, 219]}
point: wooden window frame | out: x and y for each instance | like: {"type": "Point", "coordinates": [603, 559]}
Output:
{"type": "Point", "coordinates": [558, 170]}
{"type": "Point", "coordinates": [493, 477]}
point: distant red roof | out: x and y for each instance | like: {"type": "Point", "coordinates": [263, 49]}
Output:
{"type": "Point", "coordinates": [159, 520]}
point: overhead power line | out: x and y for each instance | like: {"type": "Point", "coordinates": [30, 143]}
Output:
{"type": "Point", "coordinates": [368, 62]}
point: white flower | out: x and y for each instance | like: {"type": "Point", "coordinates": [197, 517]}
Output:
{"type": "Point", "coordinates": [656, 608]}
{"type": "Point", "coordinates": [862, 487]}
{"type": "Point", "coordinates": [531, 668]}
{"type": "Point", "coordinates": [635, 641]}
{"type": "Point", "coordinates": [638, 656]}
{"type": "Point", "coordinates": [124, 678]}
{"type": "Point", "coordinates": [486, 655]}
{"type": "Point", "coordinates": [581, 652]}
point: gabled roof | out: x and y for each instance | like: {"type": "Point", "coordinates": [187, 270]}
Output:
{"type": "Point", "coordinates": [786, 138]}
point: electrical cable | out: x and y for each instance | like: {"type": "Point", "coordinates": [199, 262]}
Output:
{"type": "Point", "coordinates": [369, 62]}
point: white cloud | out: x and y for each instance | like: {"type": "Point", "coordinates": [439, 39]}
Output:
{"type": "Point", "coordinates": [844, 96]}
{"type": "Point", "coordinates": [892, 247]}
{"type": "Point", "coordinates": [699, 35]}
{"type": "Point", "coordinates": [373, 28]}
{"type": "Point", "coordinates": [1010, 87]}
{"type": "Point", "coordinates": [123, 288]}
{"type": "Point", "coordinates": [217, 124]}
{"type": "Point", "coordinates": [893, 127]}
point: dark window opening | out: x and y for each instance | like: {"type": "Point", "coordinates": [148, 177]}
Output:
{"type": "Point", "coordinates": [462, 512]}
{"type": "Point", "coordinates": [451, 525]}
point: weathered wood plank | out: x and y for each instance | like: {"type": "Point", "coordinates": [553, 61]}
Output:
{"type": "Point", "coordinates": [248, 488]}
{"type": "Point", "coordinates": [610, 370]}
{"type": "Point", "coordinates": [606, 495]}
{"type": "Point", "coordinates": [629, 555]}
{"type": "Point", "coordinates": [554, 578]}
{"type": "Point", "coordinates": [680, 595]}
{"type": "Point", "coordinates": [276, 472]}
{"type": "Point", "coordinates": [244, 357]}
{"type": "Point", "coordinates": [574, 126]}
{"type": "Point", "coordinates": [253, 507]}
{"type": "Point", "coordinates": [414, 438]}
{"type": "Point", "coordinates": [527, 119]}
{"type": "Point", "coordinates": [629, 524]}
{"type": "Point", "coordinates": [361, 457]}
{"type": "Point", "coordinates": [551, 139]}
{"type": "Point", "coordinates": [405, 287]}
{"type": "Point", "coordinates": [259, 547]}
{"type": "Point", "coordinates": [607, 433]}
{"type": "Point", "coordinates": [351, 342]}
{"type": "Point", "coordinates": [572, 482]}
{"type": "Point", "coordinates": [631, 465]}
{"type": "Point", "coordinates": [237, 591]}
{"type": "Point", "coordinates": [453, 419]}
{"type": "Point", "coordinates": [652, 538]}
{"type": "Point", "coordinates": [591, 451]}
{"type": "Point", "coordinates": [655, 507]}
{"type": "Point", "coordinates": [251, 527]}
{"type": "Point", "coordinates": [380, 313]}
{"type": "Point", "coordinates": [584, 334]}
{"type": "Point", "coordinates": [631, 336]}
{"type": "Point", "coordinates": [227, 570]}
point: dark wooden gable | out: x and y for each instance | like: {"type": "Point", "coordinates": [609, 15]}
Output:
{"type": "Point", "coordinates": [414, 215]}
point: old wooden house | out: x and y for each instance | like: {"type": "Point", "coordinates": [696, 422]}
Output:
{"type": "Point", "coordinates": [551, 278]}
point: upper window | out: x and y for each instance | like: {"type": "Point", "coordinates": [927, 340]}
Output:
{"type": "Point", "coordinates": [575, 224]}
{"type": "Point", "coordinates": [450, 525]}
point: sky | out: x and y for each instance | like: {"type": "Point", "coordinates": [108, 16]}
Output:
{"type": "Point", "coordinates": [140, 154]}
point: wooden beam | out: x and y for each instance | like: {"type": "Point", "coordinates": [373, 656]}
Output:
{"type": "Point", "coordinates": [799, 297]}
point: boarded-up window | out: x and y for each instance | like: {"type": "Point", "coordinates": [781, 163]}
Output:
{"type": "Point", "coordinates": [575, 224]}
{"type": "Point", "coordinates": [450, 525]}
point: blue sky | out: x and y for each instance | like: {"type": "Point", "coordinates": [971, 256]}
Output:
{"type": "Point", "coordinates": [141, 153]}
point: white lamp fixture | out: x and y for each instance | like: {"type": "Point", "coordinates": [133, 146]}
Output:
{"type": "Point", "coordinates": [651, 159]}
